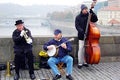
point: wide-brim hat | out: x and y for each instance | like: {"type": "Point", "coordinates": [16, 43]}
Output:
{"type": "Point", "coordinates": [19, 22]}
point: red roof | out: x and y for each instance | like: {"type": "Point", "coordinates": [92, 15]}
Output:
{"type": "Point", "coordinates": [113, 21]}
{"type": "Point", "coordinates": [110, 8]}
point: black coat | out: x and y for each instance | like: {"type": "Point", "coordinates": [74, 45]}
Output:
{"type": "Point", "coordinates": [81, 22]}
{"type": "Point", "coordinates": [20, 44]}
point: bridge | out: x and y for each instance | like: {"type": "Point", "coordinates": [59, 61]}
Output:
{"type": "Point", "coordinates": [101, 71]}
{"type": "Point", "coordinates": [107, 69]}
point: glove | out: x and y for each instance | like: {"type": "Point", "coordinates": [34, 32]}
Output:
{"type": "Point", "coordinates": [29, 40]}
{"type": "Point", "coordinates": [91, 11]}
{"type": "Point", "coordinates": [22, 33]}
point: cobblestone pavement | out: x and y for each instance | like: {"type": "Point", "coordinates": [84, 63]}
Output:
{"type": "Point", "coordinates": [101, 71]}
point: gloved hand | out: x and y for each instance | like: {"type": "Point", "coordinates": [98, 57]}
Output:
{"type": "Point", "coordinates": [29, 40]}
{"type": "Point", "coordinates": [91, 11]}
{"type": "Point", "coordinates": [22, 33]}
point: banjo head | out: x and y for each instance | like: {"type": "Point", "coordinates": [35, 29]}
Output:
{"type": "Point", "coordinates": [52, 51]}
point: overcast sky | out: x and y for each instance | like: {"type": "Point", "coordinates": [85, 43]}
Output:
{"type": "Point", "coordinates": [46, 2]}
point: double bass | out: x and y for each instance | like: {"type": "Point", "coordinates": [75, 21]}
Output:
{"type": "Point", "coordinates": [91, 41]}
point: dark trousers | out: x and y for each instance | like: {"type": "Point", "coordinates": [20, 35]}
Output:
{"type": "Point", "coordinates": [19, 57]}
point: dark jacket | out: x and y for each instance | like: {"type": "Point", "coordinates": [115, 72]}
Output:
{"type": "Point", "coordinates": [81, 22]}
{"type": "Point", "coordinates": [62, 52]}
{"type": "Point", "coordinates": [20, 43]}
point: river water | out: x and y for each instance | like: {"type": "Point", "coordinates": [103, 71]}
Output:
{"type": "Point", "coordinates": [38, 27]}
{"type": "Point", "coordinates": [43, 27]}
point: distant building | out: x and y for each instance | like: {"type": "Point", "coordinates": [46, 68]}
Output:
{"type": "Point", "coordinates": [110, 15]}
{"type": "Point", "coordinates": [114, 3]}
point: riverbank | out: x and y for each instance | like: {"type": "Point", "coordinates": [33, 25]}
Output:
{"type": "Point", "coordinates": [69, 28]}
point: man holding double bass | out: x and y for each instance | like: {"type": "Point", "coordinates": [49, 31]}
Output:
{"type": "Point", "coordinates": [62, 54]}
{"type": "Point", "coordinates": [80, 24]}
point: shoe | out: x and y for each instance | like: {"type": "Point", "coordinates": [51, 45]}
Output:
{"type": "Point", "coordinates": [32, 76]}
{"type": "Point", "coordinates": [86, 65]}
{"type": "Point", "coordinates": [16, 77]}
{"type": "Point", "coordinates": [80, 66]}
{"type": "Point", "coordinates": [69, 77]}
{"type": "Point", "coordinates": [12, 67]}
{"type": "Point", "coordinates": [57, 77]}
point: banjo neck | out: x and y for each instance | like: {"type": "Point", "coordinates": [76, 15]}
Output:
{"type": "Point", "coordinates": [71, 39]}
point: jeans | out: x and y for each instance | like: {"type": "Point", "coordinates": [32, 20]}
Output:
{"type": "Point", "coordinates": [68, 60]}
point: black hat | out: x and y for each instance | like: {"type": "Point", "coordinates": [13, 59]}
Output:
{"type": "Point", "coordinates": [19, 22]}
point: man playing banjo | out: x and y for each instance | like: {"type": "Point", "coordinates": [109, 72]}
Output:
{"type": "Point", "coordinates": [62, 55]}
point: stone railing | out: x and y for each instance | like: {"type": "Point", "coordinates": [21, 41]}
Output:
{"type": "Point", "coordinates": [110, 48]}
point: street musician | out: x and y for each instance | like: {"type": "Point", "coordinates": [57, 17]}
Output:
{"type": "Point", "coordinates": [22, 48]}
{"type": "Point", "coordinates": [62, 55]}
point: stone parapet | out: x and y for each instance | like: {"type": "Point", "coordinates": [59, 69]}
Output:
{"type": "Point", "coordinates": [110, 47]}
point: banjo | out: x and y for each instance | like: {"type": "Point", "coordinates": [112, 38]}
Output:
{"type": "Point", "coordinates": [54, 50]}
